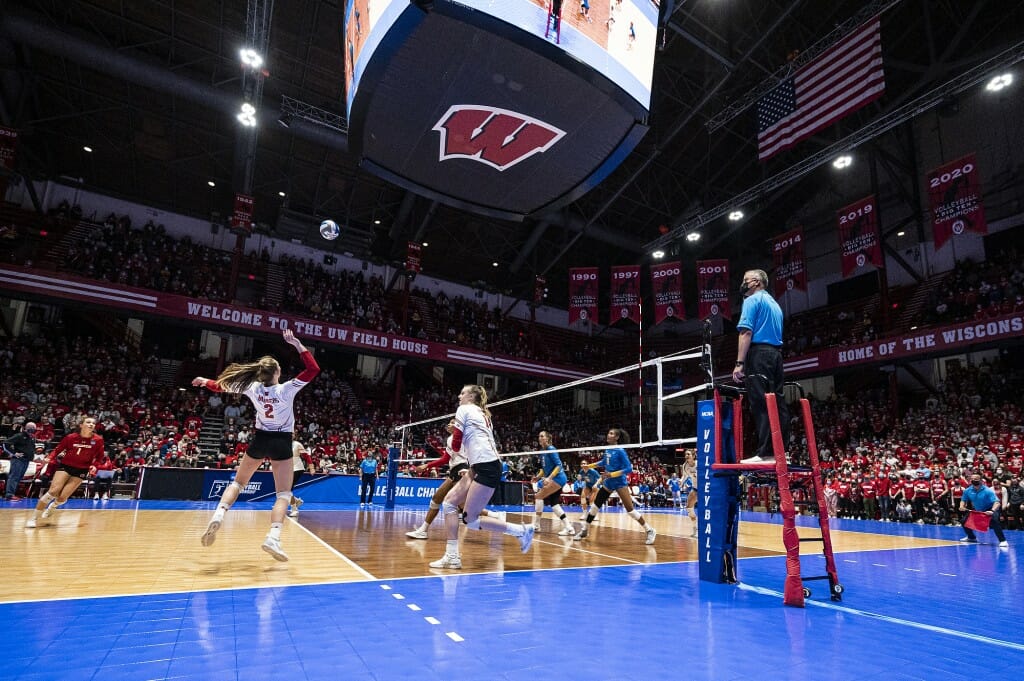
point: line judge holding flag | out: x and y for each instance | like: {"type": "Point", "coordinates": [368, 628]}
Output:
{"type": "Point", "coordinates": [760, 352]}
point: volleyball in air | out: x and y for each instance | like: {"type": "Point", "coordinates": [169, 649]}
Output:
{"type": "Point", "coordinates": [329, 230]}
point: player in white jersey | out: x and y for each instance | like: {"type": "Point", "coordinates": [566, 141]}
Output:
{"type": "Point", "coordinates": [275, 421]}
{"type": "Point", "coordinates": [473, 437]}
{"type": "Point", "coordinates": [458, 466]}
{"type": "Point", "coordinates": [300, 456]}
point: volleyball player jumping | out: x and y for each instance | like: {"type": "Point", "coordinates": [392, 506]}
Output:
{"type": "Point", "coordinates": [472, 435]}
{"type": "Point", "coordinates": [275, 421]}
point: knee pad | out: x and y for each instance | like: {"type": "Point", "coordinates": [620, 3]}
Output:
{"type": "Point", "coordinates": [434, 505]}
{"type": "Point", "coordinates": [449, 509]}
{"type": "Point", "coordinates": [634, 514]}
{"type": "Point", "coordinates": [47, 498]}
{"type": "Point", "coordinates": [593, 509]}
{"type": "Point", "coordinates": [538, 505]}
{"type": "Point", "coordinates": [287, 496]}
{"type": "Point", "coordinates": [474, 525]}
{"type": "Point", "coordinates": [559, 513]}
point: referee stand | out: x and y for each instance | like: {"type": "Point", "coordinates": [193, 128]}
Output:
{"type": "Point", "coordinates": [720, 448]}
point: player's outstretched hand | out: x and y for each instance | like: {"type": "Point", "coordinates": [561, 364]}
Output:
{"type": "Point", "coordinates": [198, 381]}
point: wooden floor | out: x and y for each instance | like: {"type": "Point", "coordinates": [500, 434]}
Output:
{"type": "Point", "coordinates": [130, 551]}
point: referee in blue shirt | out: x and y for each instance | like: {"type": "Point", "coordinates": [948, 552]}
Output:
{"type": "Point", "coordinates": [760, 352]}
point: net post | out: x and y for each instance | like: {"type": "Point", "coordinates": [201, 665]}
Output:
{"type": "Point", "coordinates": [717, 499]}
{"type": "Point", "coordinates": [394, 452]}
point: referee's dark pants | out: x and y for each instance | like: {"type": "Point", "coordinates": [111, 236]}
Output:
{"type": "Point", "coordinates": [993, 525]}
{"type": "Point", "coordinates": [367, 484]}
{"type": "Point", "coordinates": [766, 360]}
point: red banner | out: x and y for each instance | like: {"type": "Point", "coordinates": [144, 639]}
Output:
{"type": "Point", "coordinates": [413, 253]}
{"type": "Point", "coordinates": [35, 284]}
{"type": "Point", "coordinates": [625, 293]}
{"type": "Point", "coordinates": [583, 286]}
{"type": "Point", "coordinates": [8, 147]}
{"type": "Point", "coordinates": [955, 193]}
{"type": "Point", "coordinates": [788, 262]}
{"type": "Point", "coordinates": [859, 242]}
{"type": "Point", "coordinates": [713, 288]}
{"type": "Point", "coordinates": [667, 285]}
{"type": "Point", "coordinates": [241, 217]}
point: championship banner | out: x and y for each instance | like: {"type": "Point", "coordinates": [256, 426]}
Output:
{"type": "Point", "coordinates": [788, 262]}
{"type": "Point", "coordinates": [713, 289]}
{"type": "Point", "coordinates": [8, 146]}
{"type": "Point", "coordinates": [667, 285]}
{"type": "Point", "coordinates": [582, 294]}
{"type": "Point", "coordinates": [413, 253]}
{"type": "Point", "coordinates": [540, 289]}
{"type": "Point", "coordinates": [625, 293]}
{"type": "Point", "coordinates": [955, 194]}
{"type": "Point", "coordinates": [241, 217]}
{"type": "Point", "coordinates": [859, 243]}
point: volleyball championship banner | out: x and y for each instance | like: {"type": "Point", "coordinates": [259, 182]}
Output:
{"type": "Point", "coordinates": [583, 283]}
{"type": "Point", "coordinates": [713, 289]}
{"type": "Point", "coordinates": [667, 286]}
{"type": "Point", "coordinates": [625, 293]}
{"type": "Point", "coordinates": [413, 256]}
{"type": "Point", "coordinates": [241, 216]}
{"type": "Point", "coordinates": [859, 242]}
{"type": "Point", "coordinates": [8, 147]}
{"type": "Point", "coordinates": [788, 262]}
{"type": "Point", "coordinates": [954, 191]}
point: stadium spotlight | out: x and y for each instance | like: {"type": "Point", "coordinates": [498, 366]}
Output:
{"type": "Point", "coordinates": [999, 82]}
{"type": "Point", "coordinates": [250, 58]}
{"type": "Point", "coordinates": [693, 237]}
{"type": "Point", "coordinates": [247, 116]}
{"type": "Point", "coordinates": [901, 233]}
{"type": "Point", "coordinates": [282, 194]}
{"type": "Point", "coordinates": [87, 149]}
{"type": "Point", "coordinates": [425, 244]}
{"type": "Point", "coordinates": [844, 161]}
{"type": "Point", "coordinates": [211, 183]}
{"type": "Point", "coordinates": [658, 254]}
{"type": "Point", "coordinates": [736, 215]}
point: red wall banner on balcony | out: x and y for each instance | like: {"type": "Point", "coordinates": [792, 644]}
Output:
{"type": "Point", "coordinates": [955, 194]}
{"type": "Point", "coordinates": [583, 285]}
{"type": "Point", "coordinates": [625, 294]}
{"type": "Point", "coordinates": [713, 288]}
{"type": "Point", "coordinates": [859, 243]}
{"type": "Point", "coordinates": [667, 287]}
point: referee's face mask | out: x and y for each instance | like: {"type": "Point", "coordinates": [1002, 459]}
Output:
{"type": "Point", "coordinates": [747, 285]}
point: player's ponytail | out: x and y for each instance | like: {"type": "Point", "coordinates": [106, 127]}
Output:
{"type": "Point", "coordinates": [236, 378]}
{"type": "Point", "coordinates": [479, 394]}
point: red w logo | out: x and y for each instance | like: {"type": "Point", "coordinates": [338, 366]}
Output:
{"type": "Point", "coordinates": [497, 137]}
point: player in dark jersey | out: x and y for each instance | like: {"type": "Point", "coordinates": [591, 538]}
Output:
{"type": "Point", "coordinates": [71, 461]}
{"type": "Point", "coordinates": [275, 421]}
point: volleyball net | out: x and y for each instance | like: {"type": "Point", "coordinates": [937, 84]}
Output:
{"type": "Point", "coordinates": [654, 401]}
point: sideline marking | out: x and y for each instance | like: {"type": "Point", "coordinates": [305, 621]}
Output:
{"type": "Point", "coordinates": [893, 620]}
{"type": "Point", "coordinates": [333, 550]}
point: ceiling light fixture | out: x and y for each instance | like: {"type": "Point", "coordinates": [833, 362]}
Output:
{"type": "Point", "coordinates": [693, 237]}
{"type": "Point", "coordinates": [658, 255]}
{"type": "Point", "coordinates": [247, 116]}
{"type": "Point", "coordinates": [87, 149]}
{"type": "Point", "coordinates": [900, 233]}
{"type": "Point", "coordinates": [999, 82]}
{"type": "Point", "coordinates": [250, 58]}
{"type": "Point", "coordinates": [211, 183]}
{"type": "Point", "coordinates": [736, 215]}
{"type": "Point", "coordinates": [844, 161]}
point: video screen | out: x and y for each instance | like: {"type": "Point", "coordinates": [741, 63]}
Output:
{"type": "Point", "coordinates": [614, 37]}
{"type": "Point", "coordinates": [366, 24]}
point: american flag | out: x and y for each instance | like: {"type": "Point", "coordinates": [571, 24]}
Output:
{"type": "Point", "coordinates": [840, 81]}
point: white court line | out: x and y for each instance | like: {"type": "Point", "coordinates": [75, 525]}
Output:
{"type": "Point", "coordinates": [398, 597]}
{"type": "Point", "coordinates": [453, 636]}
{"type": "Point", "coordinates": [414, 607]}
{"type": "Point", "coordinates": [912, 569]}
{"type": "Point", "coordinates": [893, 620]}
{"type": "Point", "coordinates": [333, 550]}
{"type": "Point", "coordinates": [946, 574]}
{"type": "Point", "coordinates": [432, 620]}
{"type": "Point", "coordinates": [578, 547]}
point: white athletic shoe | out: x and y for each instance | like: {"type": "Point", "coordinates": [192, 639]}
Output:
{"type": "Point", "coordinates": [417, 534]}
{"type": "Point", "coordinates": [582, 534]}
{"type": "Point", "coordinates": [106, 497]}
{"type": "Point", "coordinates": [1003, 545]}
{"type": "Point", "coordinates": [96, 498]}
{"type": "Point", "coordinates": [651, 534]}
{"type": "Point", "coordinates": [30, 523]}
{"type": "Point", "coordinates": [757, 459]}
{"type": "Point", "coordinates": [448, 561]}
{"type": "Point", "coordinates": [294, 513]}
{"type": "Point", "coordinates": [273, 547]}
{"type": "Point", "coordinates": [48, 511]}
{"type": "Point", "coordinates": [298, 502]}
{"type": "Point", "coordinates": [210, 535]}
{"type": "Point", "coordinates": [527, 538]}
{"type": "Point", "coordinates": [536, 526]}
{"type": "Point", "coordinates": [567, 531]}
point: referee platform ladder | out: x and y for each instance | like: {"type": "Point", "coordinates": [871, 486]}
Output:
{"type": "Point", "coordinates": [554, 24]}
{"type": "Point", "coordinates": [787, 478]}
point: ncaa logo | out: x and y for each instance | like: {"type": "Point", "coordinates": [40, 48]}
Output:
{"type": "Point", "coordinates": [624, 313]}
{"type": "Point", "coordinates": [861, 260]}
{"type": "Point", "coordinates": [958, 226]}
{"type": "Point", "coordinates": [670, 311]}
{"type": "Point", "coordinates": [790, 284]}
{"type": "Point", "coordinates": [714, 309]}
{"type": "Point", "coordinates": [496, 137]}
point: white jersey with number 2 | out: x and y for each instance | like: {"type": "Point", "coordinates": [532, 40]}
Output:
{"type": "Point", "coordinates": [274, 403]}
{"type": "Point", "coordinates": [477, 436]}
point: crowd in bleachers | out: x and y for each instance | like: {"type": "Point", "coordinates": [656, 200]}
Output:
{"type": "Point", "coordinates": [978, 291]}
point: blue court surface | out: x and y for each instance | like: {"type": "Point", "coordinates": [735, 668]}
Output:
{"type": "Point", "coordinates": [945, 612]}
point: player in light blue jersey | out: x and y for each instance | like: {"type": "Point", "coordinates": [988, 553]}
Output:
{"type": "Point", "coordinates": [551, 481]}
{"type": "Point", "coordinates": [615, 468]}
